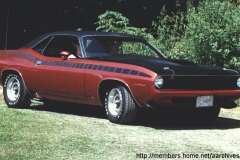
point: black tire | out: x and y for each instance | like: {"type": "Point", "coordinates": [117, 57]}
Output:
{"type": "Point", "coordinates": [205, 115]}
{"type": "Point", "coordinates": [120, 106]}
{"type": "Point", "coordinates": [15, 93]}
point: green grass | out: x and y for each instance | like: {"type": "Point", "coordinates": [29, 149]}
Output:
{"type": "Point", "coordinates": [68, 132]}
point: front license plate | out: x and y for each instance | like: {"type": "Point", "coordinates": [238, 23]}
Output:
{"type": "Point", "coordinates": [204, 101]}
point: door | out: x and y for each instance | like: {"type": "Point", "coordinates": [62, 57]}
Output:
{"type": "Point", "coordinates": [56, 78]}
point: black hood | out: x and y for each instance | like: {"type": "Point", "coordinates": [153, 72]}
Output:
{"type": "Point", "coordinates": [164, 66]}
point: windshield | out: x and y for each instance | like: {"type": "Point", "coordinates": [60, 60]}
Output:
{"type": "Point", "coordinates": [99, 46]}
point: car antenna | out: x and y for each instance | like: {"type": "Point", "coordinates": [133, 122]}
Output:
{"type": "Point", "coordinates": [7, 27]}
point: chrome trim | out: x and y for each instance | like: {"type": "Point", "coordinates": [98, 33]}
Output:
{"type": "Point", "coordinates": [13, 89]}
{"type": "Point", "coordinates": [167, 68]}
{"type": "Point", "coordinates": [115, 102]}
{"type": "Point", "coordinates": [225, 69]}
{"type": "Point", "coordinates": [37, 102]}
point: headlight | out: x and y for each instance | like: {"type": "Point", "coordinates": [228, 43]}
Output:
{"type": "Point", "coordinates": [238, 82]}
{"type": "Point", "coordinates": [158, 82]}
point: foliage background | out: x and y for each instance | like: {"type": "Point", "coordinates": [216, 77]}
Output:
{"type": "Point", "coordinates": [28, 19]}
{"type": "Point", "coordinates": [207, 33]}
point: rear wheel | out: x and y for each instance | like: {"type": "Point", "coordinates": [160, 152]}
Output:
{"type": "Point", "coordinates": [120, 106]}
{"type": "Point", "coordinates": [15, 93]}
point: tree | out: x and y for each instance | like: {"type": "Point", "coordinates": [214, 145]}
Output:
{"type": "Point", "coordinates": [213, 33]}
{"type": "Point", "coordinates": [111, 21]}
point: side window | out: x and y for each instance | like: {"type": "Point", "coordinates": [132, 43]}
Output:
{"type": "Point", "coordinates": [41, 46]}
{"type": "Point", "coordinates": [93, 47]}
{"type": "Point", "coordinates": [137, 48]}
{"type": "Point", "coordinates": [62, 43]}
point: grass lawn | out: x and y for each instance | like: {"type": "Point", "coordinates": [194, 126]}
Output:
{"type": "Point", "coordinates": [69, 131]}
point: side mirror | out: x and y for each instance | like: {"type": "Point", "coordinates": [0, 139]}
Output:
{"type": "Point", "coordinates": [64, 54]}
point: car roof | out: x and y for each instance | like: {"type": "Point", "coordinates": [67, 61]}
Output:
{"type": "Point", "coordinates": [79, 34]}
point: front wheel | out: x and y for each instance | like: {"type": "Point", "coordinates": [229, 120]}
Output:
{"type": "Point", "coordinates": [15, 93]}
{"type": "Point", "coordinates": [120, 106]}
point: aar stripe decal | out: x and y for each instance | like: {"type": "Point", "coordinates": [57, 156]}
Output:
{"type": "Point", "coordinates": [33, 59]}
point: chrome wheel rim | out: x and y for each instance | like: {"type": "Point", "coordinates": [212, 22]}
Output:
{"type": "Point", "coordinates": [115, 102]}
{"type": "Point", "coordinates": [13, 89]}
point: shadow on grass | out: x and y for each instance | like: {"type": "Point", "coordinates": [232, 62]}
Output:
{"type": "Point", "coordinates": [174, 120]}
{"type": "Point", "coordinates": [73, 109]}
{"type": "Point", "coordinates": [162, 119]}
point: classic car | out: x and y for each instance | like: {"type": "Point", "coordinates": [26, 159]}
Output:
{"type": "Point", "coordinates": [118, 71]}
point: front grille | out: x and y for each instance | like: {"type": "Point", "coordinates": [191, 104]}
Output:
{"type": "Point", "coordinates": [200, 82]}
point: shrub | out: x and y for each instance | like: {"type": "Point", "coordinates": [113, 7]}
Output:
{"type": "Point", "coordinates": [112, 21]}
{"type": "Point", "coordinates": [212, 34]}
{"type": "Point", "coordinates": [168, 31]}
{"type": "Point", "coordinates": [206, 34]}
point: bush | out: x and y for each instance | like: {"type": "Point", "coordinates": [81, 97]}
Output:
{"type": "Point", "coordinates": [206, 34]}
{"type": "Point", "coordinates": [211, 34]}
{"type": "Point", "coordinates": [112, 21]}
{"type": "Point", "coordinates": [168, 31]}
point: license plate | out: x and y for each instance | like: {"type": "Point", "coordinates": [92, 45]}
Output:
{"type": "Point", "coordinates": [204, 101]}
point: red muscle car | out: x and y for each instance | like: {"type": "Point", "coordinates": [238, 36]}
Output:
{"type": "Point", "coordinates": [119, 71]}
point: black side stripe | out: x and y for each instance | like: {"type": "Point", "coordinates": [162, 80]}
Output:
{"type": "Point", "coordinates": [34, 59]}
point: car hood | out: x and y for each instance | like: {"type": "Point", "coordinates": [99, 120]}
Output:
{"type": "Point", "coordinates": [164, 66]}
